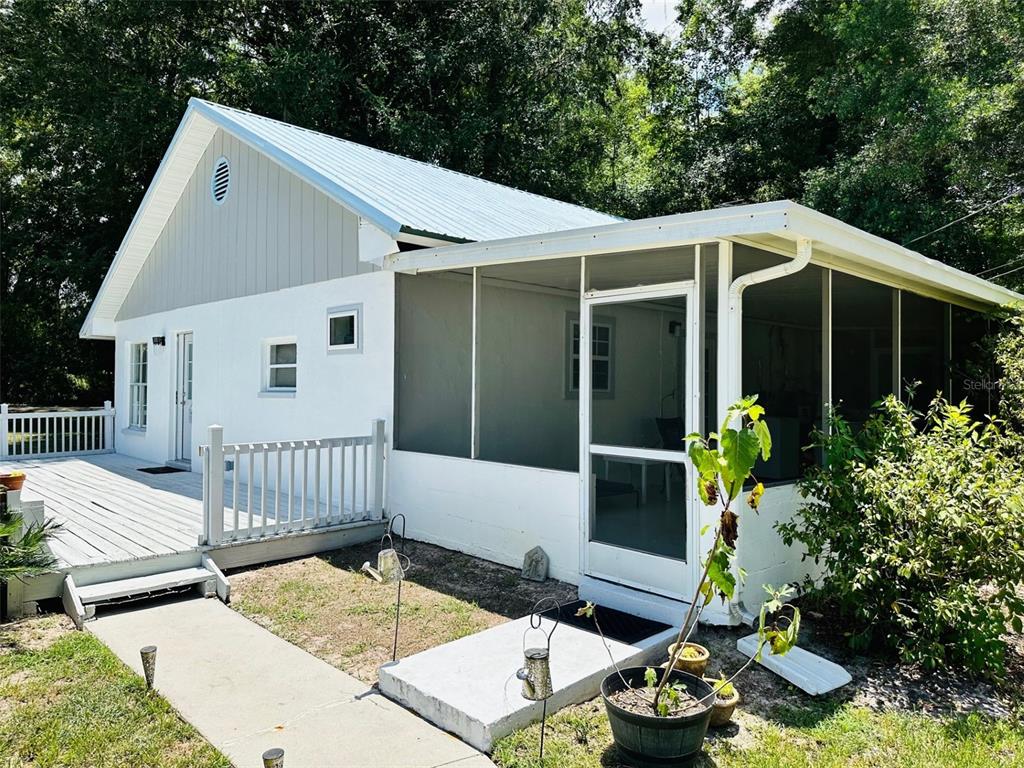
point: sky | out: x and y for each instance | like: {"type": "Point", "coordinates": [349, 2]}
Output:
{"type": "Point", "coordinates": [659, 15]}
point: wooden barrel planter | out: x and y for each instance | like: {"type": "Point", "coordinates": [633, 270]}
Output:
{"type": "Point", "coordinates": [649, 741]}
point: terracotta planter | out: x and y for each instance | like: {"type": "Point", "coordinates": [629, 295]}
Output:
{"type": "Point", "coordinates": [695, 666]}
{"type": "Point", "coordinates": [12, 482]}
{"type": "Point", "coordinates": [724, 707]}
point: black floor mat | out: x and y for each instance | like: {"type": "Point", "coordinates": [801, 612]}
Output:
{"type": "Point", "coordinates": [159, 470]}
{"type": "Point", "coordinates": [616, 625]}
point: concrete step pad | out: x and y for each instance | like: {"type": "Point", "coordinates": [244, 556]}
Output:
{"type": "Point", "coordinates": [469, 687]}
{"type": "Point", "coordinates": [807, 671]}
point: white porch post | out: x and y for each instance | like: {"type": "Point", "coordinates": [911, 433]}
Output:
{"type": "Point", "coordinates": [108, 426]}
{"type": "Point", "coordinates": [378, 468]}
{"type": "Point", "coordinates": [474, 398]}
{"type": "Point", "coordinates": [213, 502]}
{"type": "Point", "coordinates": [897, 343]}
{"type": "Point", "coordinates": [826, 347]}
{"type": "Point", "coordinates": [4, 431]}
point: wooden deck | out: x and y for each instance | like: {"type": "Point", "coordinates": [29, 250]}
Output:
{"type": "Point", "coordinates": [110, 511]}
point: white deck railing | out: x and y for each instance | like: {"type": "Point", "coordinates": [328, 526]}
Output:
{"type": "Point", "coordinates": [36, 434]}
{"type": "Point", "coordinates": [265, 489]}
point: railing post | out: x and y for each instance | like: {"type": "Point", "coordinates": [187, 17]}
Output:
{"type": "Point", "coordinates": [4, 431]}
{"type": "Point", "coordinates": [378, 468]}
{"type": "Point", "coordinates": [108, 426]}
{"type": "Point", "coordinates": [213, 503]}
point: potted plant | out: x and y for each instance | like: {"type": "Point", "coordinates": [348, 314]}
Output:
{"type": "Point", "coordinates": [660, 717]}
{"type": "Point", "coordinates": [23, 549]}
{"type": "Point", "coordinates": [693, 659]}
{"type": "Point", "coordinates": [726, 699]}
{"type": "Point", "coordinates": [12, 481]}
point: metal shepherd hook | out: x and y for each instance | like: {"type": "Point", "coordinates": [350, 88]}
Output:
{"type": "Point", "coordinates": [393, 565]}
{"type": "Point", "coordinates": [536, 671]}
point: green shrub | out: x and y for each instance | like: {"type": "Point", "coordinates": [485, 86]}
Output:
{"type": "Point", "coordinates": [918, 522]}
{"type": "Point", "coordinates": [1008, 352]}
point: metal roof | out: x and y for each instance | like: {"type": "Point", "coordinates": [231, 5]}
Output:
{"type": "Point", "coordinates": [399, 194]}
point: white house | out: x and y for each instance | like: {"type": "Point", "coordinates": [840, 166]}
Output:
{"type": "Point", "coordinates": [535, 363]}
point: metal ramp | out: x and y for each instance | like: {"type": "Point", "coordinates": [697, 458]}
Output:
{"type": "Point", "coordinates": [81, 601]}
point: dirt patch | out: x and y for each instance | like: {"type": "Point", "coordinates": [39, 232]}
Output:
{"type": "Point", "coordinates": [881, 684]}
{"type": "Point", "coordinates": [326, 606]}
{"type": "Point", "coordinates": [34, 634]}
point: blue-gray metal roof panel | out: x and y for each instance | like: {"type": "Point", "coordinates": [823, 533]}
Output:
{"type": "Point", "coordinates": [398, 193]}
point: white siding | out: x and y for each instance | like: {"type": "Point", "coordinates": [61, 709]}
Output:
{"type": "Point", "coordinates": [272, 231]}
{"type": "Point", "coordinates": [336, 395]}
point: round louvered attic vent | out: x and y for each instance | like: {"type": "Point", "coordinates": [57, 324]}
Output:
{"type": "Point", "coordinates": [220, 181]}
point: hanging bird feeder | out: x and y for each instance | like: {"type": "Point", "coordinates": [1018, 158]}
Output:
{"type": "Point", "coordinates": [535, 673]}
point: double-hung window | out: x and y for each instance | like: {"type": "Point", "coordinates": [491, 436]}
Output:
{"type": "Point", "coordinates": [282, 366]}
{"type": "Point", "coordinates": [137, 385]}
{"type": "Point", "coordinates": [601, 344]}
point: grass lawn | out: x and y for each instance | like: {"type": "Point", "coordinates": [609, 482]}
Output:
{"type": "Point", "coordinates": [822, 737]}
{"type": "Point", "coordinates": [324, 605]}
{"type": "Point", "coordinates": [65, 700]}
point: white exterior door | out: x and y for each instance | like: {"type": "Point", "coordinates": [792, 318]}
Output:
{"type": "Point", "coordinates": [183, 399]}
{"type": "Point", "coordinates": [638, 352]}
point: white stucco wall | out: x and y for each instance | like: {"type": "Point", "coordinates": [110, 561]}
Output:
{"type": "Point", "coordinates": [337, 394]}
{"type": "Point", "coordinates": [495, 511]}
{"type": "Point", "coordinates": [761, 552]}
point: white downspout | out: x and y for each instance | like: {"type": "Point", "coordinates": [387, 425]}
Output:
{"type": "Point", "coordinates": [734, 374]}
{"type": "Point", "coordinates": [731, 385]}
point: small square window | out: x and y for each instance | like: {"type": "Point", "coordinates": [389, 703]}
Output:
{"type": "Point", "coordinates": [344, 333]}
{"type": "Point", "coordinates": [282, 366]}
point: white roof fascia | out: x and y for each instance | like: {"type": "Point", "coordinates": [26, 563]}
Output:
{"type": "Point", "coordinates": [167, 185]}
{"type": "Point", "coordinates": [836, 244]}
{"type": "Point", "coordinates": [301, 169]}
{"type": "Point", "coordinates": [908, 269]}
{"type": "Point", "coordinates": [620, 237]}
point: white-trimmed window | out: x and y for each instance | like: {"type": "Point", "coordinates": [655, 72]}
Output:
{"type": "Point", "coordinates": [282, 365]}
{"type": "Point", "coordinates": [601, 345]}
{"type": "Point", "coordinates": [344, 328]}
{"type": "Point", "coordinates": [137, 385]}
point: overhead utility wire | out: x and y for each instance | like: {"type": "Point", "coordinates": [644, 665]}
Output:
{"type": "Point", "coordinates": [964, 217]}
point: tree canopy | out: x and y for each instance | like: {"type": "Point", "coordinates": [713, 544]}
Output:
{"type": "Point", "coordinates": [898, 117]}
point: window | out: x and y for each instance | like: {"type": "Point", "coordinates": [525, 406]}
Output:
{"type": "Point", "coordinates": [344, 329]}
{"type": "Point", "coordinates": [282, 366]}
{"type": "Point", "coordinates": [600, 357]}
{"type": "Point", "coordinates": [138, 377]}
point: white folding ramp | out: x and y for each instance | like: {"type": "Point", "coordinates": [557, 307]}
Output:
{"type": "Point", "coordinates": [807, 671]}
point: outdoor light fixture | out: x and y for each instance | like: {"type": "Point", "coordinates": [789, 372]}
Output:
{"type": "Point", "coordinates": [159, 341]}
{"type": "Point", "coordinates": [536, 670]}
{"type": "Point", "coordinates": [148, 654]}
{"type": "Point", "coordinates": [392, 566]}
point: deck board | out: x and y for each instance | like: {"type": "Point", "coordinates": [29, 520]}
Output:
{"type": "Point", "coordinates": [111, 512]}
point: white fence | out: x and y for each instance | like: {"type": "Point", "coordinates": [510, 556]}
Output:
{"type": "Point", "coordinates": [38, 434]}
{"type": "Point", "coordinates": [260, 489]}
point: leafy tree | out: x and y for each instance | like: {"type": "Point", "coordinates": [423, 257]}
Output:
{"type": "Point", "coordinates": [917, 521]}
{"type": "Point", "coordinates": [517, 91]}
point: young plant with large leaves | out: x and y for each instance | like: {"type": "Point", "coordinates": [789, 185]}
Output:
{"type": "Point", "coordinates": [724, 462]}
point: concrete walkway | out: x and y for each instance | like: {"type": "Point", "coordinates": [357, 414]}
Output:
{"type": "Point", "coordinates": [247, 690]}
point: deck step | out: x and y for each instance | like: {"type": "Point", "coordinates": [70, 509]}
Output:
{"type": "Point", "coordinates": [143, 585]}
{"type": "Point", "coordinates": [80, 601]}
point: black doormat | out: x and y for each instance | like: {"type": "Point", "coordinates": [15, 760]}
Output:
{"type": "Point", "coordinates": [159, 470]}
{"type": "Point", "coordinates": [616, 625]}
